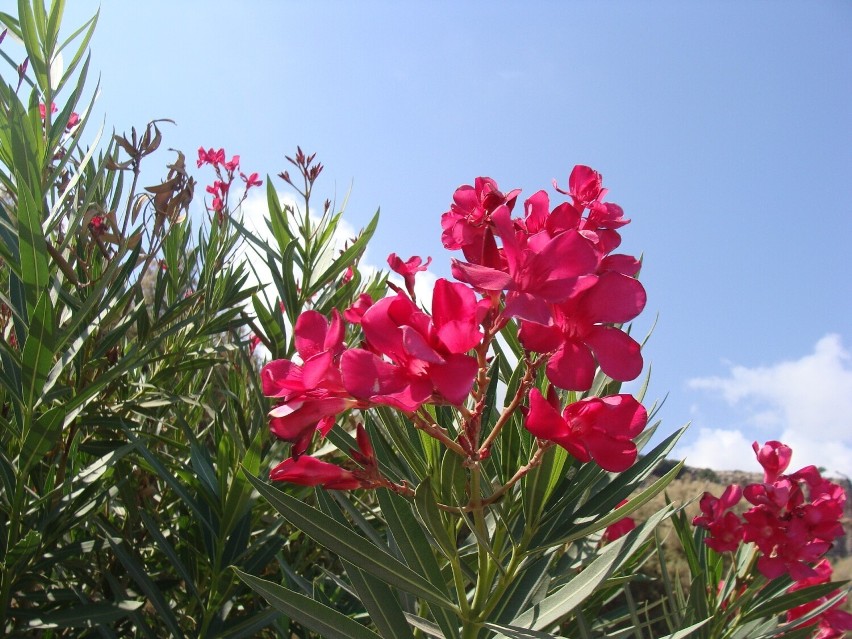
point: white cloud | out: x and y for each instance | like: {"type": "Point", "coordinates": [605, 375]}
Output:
{"type": "Point", "coordinates": [806, 403]}
{"type": "Point", "coordinates": [719, 449]}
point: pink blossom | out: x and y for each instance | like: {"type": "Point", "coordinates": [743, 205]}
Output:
{"type": "Point", "coordinates": [584, 185]}
{"type": "Point", "coordinates": [408, 268]}
{"type": "Point", "coordinates": [97, 225]}
{"type": "Point", "coordinates": [251, 180]}
{"type": "Point", "coordinates": [596, 428]}
{"type": "Point", "coordinates": [469, 216]}
{"type": "Point", "coordinates": [619, 528]}
{"type": "Point", "coordinates": [774, 457]}
{"type": "Point", "coordinates": [831, 623]}
{"type": "Point", "coordinates": [411, 358]}
{"type": "Point", "coordinates": [310, 394]}
{"type": "Point", "coordinates": [355, 313]}
{"type": "Point", "coordinates": [310, 471]}
{"type": "Point", "coordinates": [233, 164]}
{"type": "Point", "coordinates": [540, 269]}
{"type": "Point", "coordinates": [581, 335]}
{"type": "Point", "coordinates": [210, 156]}
{"type": "Point", "coordinates": [42, 109]}
{"type": "Point", "coordinates": [725, 528]}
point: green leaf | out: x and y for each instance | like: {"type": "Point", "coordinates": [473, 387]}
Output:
{"type": "Point", "coordinates": [539, 483]}
{"type": "Point", "coordinates": [31, 245]}
{"type": "Point", "coordinates": [346, 258]}
{"type": "Point", "coordinates": [239, 502]}
{"type": "Point", "coordinates": [520, 633]}
{"type": "Point", "coordinates": [247, 628]}
{"type": "Point", "coordinates": [88, 615]}
{"type": "Point", "coordinates": [427, 508]}
{"type": "Point", "coordinates": [687, 632]}
{"type": "Point", "coordinates": [339, 539]}
{"type": "Point", "coordinates": [41, 436]}
{"type": "Point", "coordinates": [136, 569]}
{"type": "Point", "coordinates": [325, 621]}
{"type": "Point", "coordinates": [790, 600]}
{"type": "Point", "coordinates": [37, 355]}
{"type": "Point", "coordinates": [416, 550]}
{"type": "Point", "coordinates": [380, 601]}
{"type": "Point", "coordinates": [559, 604]}
{"type": "Point", "coordinates": [22, 552]}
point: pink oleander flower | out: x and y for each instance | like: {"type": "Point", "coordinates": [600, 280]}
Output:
{"type": "Point", "coordinates": [251, 180]}
{"type": "Point", "coordinates": [465, 224]}
{"type": "Point", "coordinates": [233, 164]}
{"type": "Point", "coordinates": [619, 528]}
{"type": "Point", "coordinates": [832, 623]}
{"type": "Point", "coordinates": [585, 186]}
{"type": "Point", "coordinates": [42, 110]}
{"type": "Point", "coordinates": [408, 269]}
{"type": "Point", "coordinates": [210, 156]}
{"type": "Point", "coordinates": [540, 269]}
{"type": "Point", "coordinates": [597, 428]}
{"type": "Point", "coordinates": [774, 457]}
{"type": "Point", "coordinates": [97, 225]}
{"type": "Point", "coordinates": [794, 519]}
{"type": "Point", "coordinates": [254, 342]}
{"type": "Point", "coordinates": [311, 394]}
{"type": "Point", "coordinates": [725, 528]}
{"type": "Point", "coordinates": [310, 471]}
{"type": "Point", "coordinates": [355, 313]}
{"type": "Point", "coordinates": [580, 336]}
{"type": "Point", "coordinates": [411, 358]}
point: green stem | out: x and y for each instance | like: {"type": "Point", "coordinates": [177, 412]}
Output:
{"type": "Point", "coordinates": [483, 577]}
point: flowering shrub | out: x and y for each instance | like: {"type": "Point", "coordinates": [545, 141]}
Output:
{"type": "Point", "coordinates": [792, 523]}
{"type": "Point", "coordinates": [469, 471]}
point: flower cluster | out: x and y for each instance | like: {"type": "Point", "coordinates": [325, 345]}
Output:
{"type": "Point", "coordinates": [832, 623]}
{"type": "Point", "coordinates": [552, 271]}
{"type": "Point", "coordinates": [73, 119]}
{"type": "Point", "coordinates": [556, 265]}
{"type": "Point", "coordinates": [793, 519]}
{"type": "Point", "coordinates": [225, 172]}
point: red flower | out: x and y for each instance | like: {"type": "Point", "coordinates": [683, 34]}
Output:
{"type": "Point", "coordinates": [97, 225]}
{"type": "Point", "coordinates": [408, 269]}
{"type": "Point", "coordinates": [619, 528]}
{"type": "Point", "coordinates": [311, 394]}
{"type": "Point", "coordinates": [539, 269]}
{"type": "Point", "coordinates": [310, 471]}
{"type": "Point", "coordinates": [469, 216]}
{"type": "Point", "coordinates": [251, 180]}
{"type": "Point", "coordinates": [73, 120]}
{"type": "Point", "coordinates": [725, 528]}
{"type": "Point", "coordinates": [42, 110]}
{"type": "Point", "coordinates": [411, 357]}
{"type": "Point", "coordinates": [233, 164]}
{"type": "Point", "coordinates": [774, 457]}
{"type": "Point", "coordinates": [584, 186]}
{"type": "Point", "coordinates": [210, 156]}
{"type": "Point", "coordinates": [580, 335]}
{"type": "Point", "coordinates": [831, 623]}
{"type": "Point", "coordinates": [354, 313]}
{"type": "Point", "coordinates": [596, 428]}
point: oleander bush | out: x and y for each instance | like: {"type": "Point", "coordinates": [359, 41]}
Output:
{"type": "Point", "coordinates": [214, 430]}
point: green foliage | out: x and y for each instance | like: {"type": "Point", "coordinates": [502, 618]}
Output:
{"type": "Point", "coordinates": [129, 400]}
{"type": "Point", "coordinates": [134, 430]}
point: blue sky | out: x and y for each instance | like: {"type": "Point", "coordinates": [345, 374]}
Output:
{"type": "Point", "coordinates": [723, 129]}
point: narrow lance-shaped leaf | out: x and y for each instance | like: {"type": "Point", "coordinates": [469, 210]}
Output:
{"type": "Point", "coordinates": [325, 621]}
{"type": "Point", "coordinates": [31, 244]}
{"type": "Point", "coordinates": [339, 539]}
{"type": "Point", "coordinates": [558, 605]}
